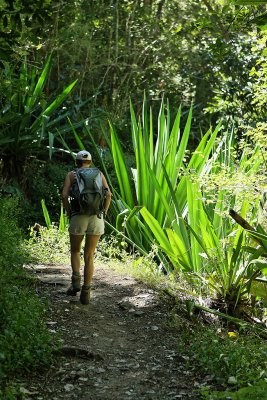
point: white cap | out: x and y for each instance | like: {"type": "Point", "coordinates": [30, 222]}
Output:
{"type": "Point", "coordinates": [84, 156]}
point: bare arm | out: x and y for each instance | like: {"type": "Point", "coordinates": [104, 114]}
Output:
{"type": "Point", "coordinates": [65, 192]}
{"type": "Point", "coordinates": [108, 193]}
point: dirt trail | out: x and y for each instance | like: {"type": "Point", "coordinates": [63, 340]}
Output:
{"type": "Point", "coordinates": [119, 347]}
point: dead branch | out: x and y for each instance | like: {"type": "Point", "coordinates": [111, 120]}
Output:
{"type": "Point", "coordinates": [242, 222]}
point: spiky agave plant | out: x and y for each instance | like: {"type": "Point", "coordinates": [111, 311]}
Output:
{"type": "Point", "coordinates": [26, 113]}
{"type": "Point", "coordinates": [63, 220]}
{"type": "Point", "coordinates": [160, 160]}
{"type": "Point", "coordinates": [167, 204]}
{"type": "Point", "coordinates": [205, 243]}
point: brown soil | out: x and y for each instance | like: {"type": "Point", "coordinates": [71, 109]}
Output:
{"type": "Point", "coordinates": [121, 346]}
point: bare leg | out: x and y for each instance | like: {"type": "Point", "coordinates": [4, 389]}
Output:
{"type": "Point", "coordinates": [89, 251]}
{"type": "Point", "coordinates": [75, 248]}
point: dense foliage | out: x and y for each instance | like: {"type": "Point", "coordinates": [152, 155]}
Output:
{"type": "Point", "coordinates": [24, 340]}
{"type": "Point", "coordinates": [184, 205]}
{"type": "Point", "coordinates": [198, 51]}
{"type": "Point", "coordinates": [225, 357]}
{"type": "Point", "coordinates": [68, 70]}
{"type": "Point", "coordinates": [26, 116]}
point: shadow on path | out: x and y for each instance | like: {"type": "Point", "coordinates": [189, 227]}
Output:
{"type": "Point", "coordinates": [119, 347]}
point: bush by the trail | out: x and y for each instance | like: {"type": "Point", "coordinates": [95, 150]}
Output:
{"type": "Point", "coordinates": [24, 340]}
{"type": "Point", "coordinates": [44, 181]}
{"type": "Point", "coordinates": [253, 392]}
{"type": "Point", "coordinates": [49, 245]}
{"type": "Point", "coordinates": [225, 358]}
{"type": "Point", "coordinates": [11, 241]}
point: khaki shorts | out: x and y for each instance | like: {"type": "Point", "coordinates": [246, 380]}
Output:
{"type": "Point", "coordinates": [86, 225]}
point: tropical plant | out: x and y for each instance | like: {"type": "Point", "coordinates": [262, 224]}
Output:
{"type": "Point", "coordinates": [180, 201]}
{"type": "Point", "coordinates": [26, 115]}
{"type": "Point", "coordinates": [209, 246]}
{"type": "Point", "coordinates": [211, 250]}
{"type": "Point", "coordinates": [50, 242]}
{"type": "Point", "coordinates": [159, 167]}
{"type": "Point", "coordinates": [63, 220]}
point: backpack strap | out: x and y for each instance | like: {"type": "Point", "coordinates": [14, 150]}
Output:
{"type": "Point", "coordinates": [74, 203]}
{"type": "Point", "coordinates": [78, 179]}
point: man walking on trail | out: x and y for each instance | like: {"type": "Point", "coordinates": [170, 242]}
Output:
{"type": "Point", "coordinates": [84, 221]}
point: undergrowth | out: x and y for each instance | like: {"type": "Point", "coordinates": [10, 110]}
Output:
{"type": "Point", "coordinates": [226, 357]}
{"type": "Point", "coordinates": [257, 391]}
{"type": "Point", "coordinates": [25, 342]}
{"type": "Point", "coordinates": [49, 245]}
{"type": "Point", "coordinates": [229, 361]}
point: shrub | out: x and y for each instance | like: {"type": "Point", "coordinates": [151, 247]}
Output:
{"type": "Point", "coordinates": [24, 340]}
{"type": "Point", "coordinates": [254, 392]}
{"type": "Point", "coordinates": [224, 358]}
{"type": "Point", "coordinates": [43, 180]}
{"type": "Point", "coordinates": [12, 251]}
{"type": "Point", "coordinates": [49, 245]}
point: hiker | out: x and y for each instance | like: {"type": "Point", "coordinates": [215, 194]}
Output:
{"type": "Point", "coordinates": [89, 222]}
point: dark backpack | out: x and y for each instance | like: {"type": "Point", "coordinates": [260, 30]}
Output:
{"type": "Point", "coordinates": [87, 192]}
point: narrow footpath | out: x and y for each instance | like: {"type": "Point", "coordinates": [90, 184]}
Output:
{"type": "Point", "coordinates": [119, 347]}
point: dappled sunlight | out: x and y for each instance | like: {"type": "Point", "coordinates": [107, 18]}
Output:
{"type": "Point", "coordinates": [113, 345]}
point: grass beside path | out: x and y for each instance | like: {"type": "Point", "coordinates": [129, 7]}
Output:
{"type": "Point", "coordinates": [25, 342]}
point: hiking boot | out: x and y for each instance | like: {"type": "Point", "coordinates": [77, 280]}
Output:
{"type": "Point", "coordinates": [75, 285]}
{"type": "Point", "coordinates": [85, 295]}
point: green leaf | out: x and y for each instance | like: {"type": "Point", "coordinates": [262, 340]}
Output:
{"type": "Point", "coordinates": [53, 106]}
{"type": "Point", "coordinates": [261, 236]}
{"type": "Point", "coordinates": [51, 143]}
{"type": "Point", "coordinates": [179, 250]}
{"type": "Point", "coordinates": [121, 170]}
{"type": "Point", "coordinates": [260, 264]}
{"type": "Point", "coordinates": [185, 138]}
{"type": "Point", "coordinates": [77, 137]}
{"type": "Point", "coordinates": [46, 214]}
{"type": "Point", "coordinates": [32, 99]}
{"type": "Point", "coordinates": [59, 100]}
{"type": "Point", "coordinates": [63, 220]}
{"type": "Point", "coordinates": [259, 288]}
{"type": "Point", "coordinates": [157, 230]}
